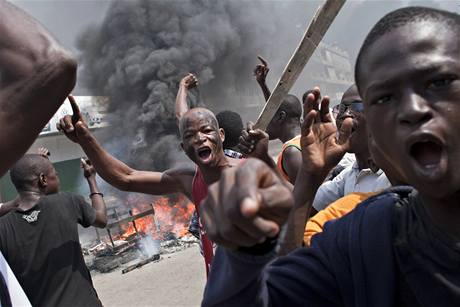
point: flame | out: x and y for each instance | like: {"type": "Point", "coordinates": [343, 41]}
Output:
{"type": "Point", "coordinates": [169, 218]}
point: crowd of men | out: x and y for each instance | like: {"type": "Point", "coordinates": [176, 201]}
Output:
{"type": "Point", "coordinates": [360, 208]}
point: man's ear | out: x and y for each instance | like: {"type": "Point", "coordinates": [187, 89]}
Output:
{"type": "Point", "coordinates": [222, 134]}
{"type": "Point", "coordinates": [282, 116]}
{"type": "Point", "coordinates": [42, 181]}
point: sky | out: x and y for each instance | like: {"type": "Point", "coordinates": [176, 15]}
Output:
{"type": "Point", "coordinates": [136, 51]}
{"type": "Point", "coordinates": [67, 20]}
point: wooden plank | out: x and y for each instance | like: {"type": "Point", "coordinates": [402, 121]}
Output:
{"type": "Point", "coordinates": [140, 264]}
{"type": "Point", "coordinates": [320, 23]}
{"type": "Point", "coordinates": [130, 218]}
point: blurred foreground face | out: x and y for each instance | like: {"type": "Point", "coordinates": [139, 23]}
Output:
{"type": "Point", "coordinates": [411, 89]}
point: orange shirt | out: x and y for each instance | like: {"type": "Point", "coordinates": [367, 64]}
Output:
{"type": "Point", "coordinates": [295, 142]}
{"type": "Point", "coordinates": [334, 211]}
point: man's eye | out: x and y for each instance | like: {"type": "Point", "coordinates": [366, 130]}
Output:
{"type": "Point", "coordinates": [383, 99]}
{"type": "Point", "coordinates": [441, 82]}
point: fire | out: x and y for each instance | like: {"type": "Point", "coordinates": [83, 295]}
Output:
{"type": "Point", "coordinates": [169, 218]}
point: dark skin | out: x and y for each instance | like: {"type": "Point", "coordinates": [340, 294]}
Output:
{"type": "Point", "coordinates": [358, 139]}
{"type": "Point", "coordinates": [254, 143]}
{"type": "Point", "coordinates": [12, 204]}
{"type": "Point", "coordinates": [257, 203]}
{"type": "Point", "coordinates": [417, 95]}
{"type": "Point", "coordinates": [281, 126]}
{"type": "Point", "coordinates": [251, 203]}
{"type": "Point", "coordinates": [48, 183]}
{"type": "Point", "coordinates": [186, 84]}
{"type": "Point", "coordinates": [321, 151]}
{"type": "Point", "coordinates": [199, 132]}
{"type": "Point", "coordinates": [36, 76]}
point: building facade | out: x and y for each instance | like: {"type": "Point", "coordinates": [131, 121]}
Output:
{"type": "Point", "coordinates": [65, 155]}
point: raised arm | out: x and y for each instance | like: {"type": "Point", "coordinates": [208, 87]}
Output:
{"type": "Point", "coordinates": [321, 151]}
{"type": "Point", "coordinates": [36, 74]}
{"type": "Point", "coordinates": [96, 197]}
{"type": "Point", "coordinates": [260, 72]}
{"type": "Point", "coordinates": [188, 82]}
{"type": "Point", "coordinates": [116, 172]}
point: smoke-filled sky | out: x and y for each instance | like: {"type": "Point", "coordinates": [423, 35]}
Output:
{"type": "Point", "coordinates": [67, 19]}
{"type": "Point", "coordinates": [136, 51]}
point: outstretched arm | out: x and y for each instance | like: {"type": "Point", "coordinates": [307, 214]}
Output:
{"type": "Point", "coordinates": [260, 72]}
{"type": "Point", "coordinates": [116, 172]}
{"type": "Point", "coordinates": [247, 206]}
{"type": "Point", "coordinates": [36, 74]}
{"type": "Point", "coordinates": [321, 151]}
{"type": "Point", "coordinates": [188, 82]}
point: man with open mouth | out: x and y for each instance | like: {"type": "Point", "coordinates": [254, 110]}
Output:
{"type": "Point", "coordinates": [201, 141]}
{"type": "Point", "coordinates": [360, 176]}
{"type": "Point", "coordinates": [398, 248]}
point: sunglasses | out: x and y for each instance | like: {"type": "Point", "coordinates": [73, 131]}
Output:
{"type": "Point", "coordinates": [356, 106]}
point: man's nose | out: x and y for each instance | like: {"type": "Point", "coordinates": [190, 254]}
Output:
{"type": "Point", "coordinates": [200, 137]}
{"type": "Point", "coordinates": [414, 110]}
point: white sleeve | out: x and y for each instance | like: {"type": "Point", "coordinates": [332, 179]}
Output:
{"type": "Point", "coordinates": [17, 295]}
{"type": "Point", "coordinates": [330, 191]}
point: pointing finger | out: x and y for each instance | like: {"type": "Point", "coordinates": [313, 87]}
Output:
{"type": "Point", "coordinates": [76, 115]}
{"type": "Point", "coordinates": [67, 124]}
{"type": "Point", "coordinates": [262, 60]}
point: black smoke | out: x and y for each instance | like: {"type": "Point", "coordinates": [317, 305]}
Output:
{"type": "Point", "coordinates": [142, 48]}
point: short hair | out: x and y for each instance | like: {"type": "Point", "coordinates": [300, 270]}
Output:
{"type": "Point", "coordinates": [232, 124]}
{"type": "Point", "coordinates": [402, 17]}
{"type": "Point", "coordinates": [291, 106]}
{"type": "Point", "coordinates": [24, 172]}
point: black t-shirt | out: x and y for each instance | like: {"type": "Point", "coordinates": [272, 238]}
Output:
{"type": "Point", "coordinates": [43, 249]}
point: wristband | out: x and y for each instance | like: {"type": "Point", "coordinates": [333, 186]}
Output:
{"type": "Point", "coordinates": [96, 193]}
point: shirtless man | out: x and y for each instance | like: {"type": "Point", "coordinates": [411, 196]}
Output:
{"type": "Point", "coordinates": [201, 141]}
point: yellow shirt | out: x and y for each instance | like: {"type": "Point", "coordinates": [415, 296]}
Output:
{"type": "Point", "coordinates": [334, 211]}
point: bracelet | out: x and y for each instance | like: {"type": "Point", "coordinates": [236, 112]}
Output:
{"type": "Point", "coordinates": [96, 193]}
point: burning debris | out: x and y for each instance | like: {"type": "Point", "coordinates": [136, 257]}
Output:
{"type": "Point", "coordinates": [139, 235]}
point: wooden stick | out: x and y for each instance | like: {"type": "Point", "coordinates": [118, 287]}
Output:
{"type": "Point", "coordinates": [320, 23]}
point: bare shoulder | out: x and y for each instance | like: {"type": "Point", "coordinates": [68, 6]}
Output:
{"type": "Point", "coordinates": [183, 175]}
{"type": "Point", "coordinates": [292, 151]}
{"type": "Point", "coordinates": [291, 154]}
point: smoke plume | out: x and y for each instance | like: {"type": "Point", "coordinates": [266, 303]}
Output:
{"type": "Point", "coordinates": [141, 50]}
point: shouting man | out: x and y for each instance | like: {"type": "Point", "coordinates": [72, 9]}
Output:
{"type": "Point", "coordinates": [201, 141]}
{"type": "Point", "coordinates": [398, 248]}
